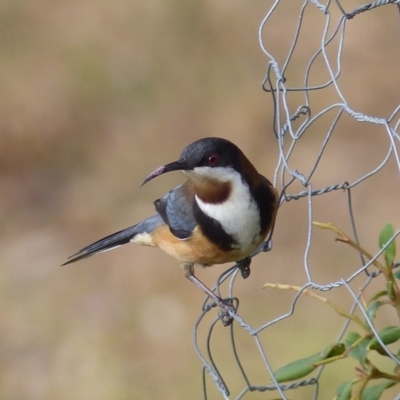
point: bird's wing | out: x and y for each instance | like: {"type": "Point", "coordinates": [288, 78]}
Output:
{"type": "Point", "coordinates": [176, 209]}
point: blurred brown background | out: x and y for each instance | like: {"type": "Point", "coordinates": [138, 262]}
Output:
{"type": "Point", "coordinates": [95, 95]}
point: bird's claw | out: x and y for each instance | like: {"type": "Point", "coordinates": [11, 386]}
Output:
{"type": "Point", "coordinates": [244, 267]}
{"type": "Point", "coordinates": [226, 310]}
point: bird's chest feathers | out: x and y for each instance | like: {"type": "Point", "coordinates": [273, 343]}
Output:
{"type": "Point", "coordinates": [229, 202]}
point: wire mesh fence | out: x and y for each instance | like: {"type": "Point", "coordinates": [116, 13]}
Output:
{"type": "Point", "coordinates": [318, 96]}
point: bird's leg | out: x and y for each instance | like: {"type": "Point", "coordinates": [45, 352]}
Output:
{"type": "Point", "coordinates": [225, 304]}
{"type": "Point", "coordinates": [244, 267]}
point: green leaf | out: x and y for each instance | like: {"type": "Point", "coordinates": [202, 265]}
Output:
{"type": "Point", "coordinates": [351, 338]}
{"type": "Point", "coordinates": [375, 392]}
{"type": "Point", "coordinates": [397, 274]}
{"type": "Point", "coordinates": [388, 334]}
{"type": "Point", "coordinates": [360, 350]}
{"type": "Point", "coordinates": [300, 368]}
{"type": "Point", "coordinates": [379, 294]}
{"type": "Point", "coordinates": [371, 311]}
{"type": "Point", "coordinates": [343, 392]}
{"type": "Point", "coordinates": [386, 236]}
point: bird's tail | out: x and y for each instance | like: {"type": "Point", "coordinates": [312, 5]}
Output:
{"type": "Point", "coordinates": [117, 239]}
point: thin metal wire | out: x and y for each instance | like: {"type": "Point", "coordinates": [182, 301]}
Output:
{"type": "Point", "coordinates": [291, 122]}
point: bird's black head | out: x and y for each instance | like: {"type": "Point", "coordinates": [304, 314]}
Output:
{"type": "Point", "coordinates": [210, 152]}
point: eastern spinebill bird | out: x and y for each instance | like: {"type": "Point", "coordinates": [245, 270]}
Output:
{"type": "Point", "coordinates": [221, 214]}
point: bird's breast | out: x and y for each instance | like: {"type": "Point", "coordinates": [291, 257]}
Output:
{"type": "Point", "coordinates": [238, 216]}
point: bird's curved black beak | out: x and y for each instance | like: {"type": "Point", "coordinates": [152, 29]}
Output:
{"type": "Point", "coordinates": [179, 165]}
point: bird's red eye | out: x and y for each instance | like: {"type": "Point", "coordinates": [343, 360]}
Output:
{"type": "Point", "coordinates": [213, 160]}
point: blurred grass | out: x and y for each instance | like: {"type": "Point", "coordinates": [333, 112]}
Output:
{"type": "Point", "coordinates": [94, 95]}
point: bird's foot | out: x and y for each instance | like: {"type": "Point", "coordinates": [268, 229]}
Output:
{"type": "Point", "coordinates": [226, 305]}
{"type": "Point", "coordinates": [244, 267]}
{"type": "Point", "coordinates": [226, 310]}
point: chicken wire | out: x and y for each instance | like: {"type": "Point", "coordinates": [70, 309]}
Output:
{"type": "Point", "coordinates": [293, 117]}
